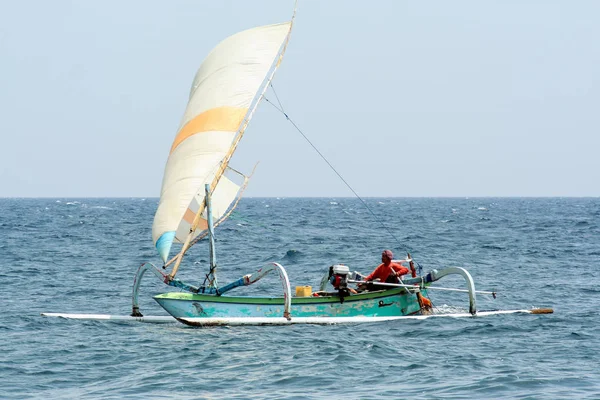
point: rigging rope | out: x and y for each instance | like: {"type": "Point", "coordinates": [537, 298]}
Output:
{"type": "Point", "coordinates": [280, 109]}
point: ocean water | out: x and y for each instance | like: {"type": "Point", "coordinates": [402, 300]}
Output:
{"type": "Point", "coordinates": [80, 255]}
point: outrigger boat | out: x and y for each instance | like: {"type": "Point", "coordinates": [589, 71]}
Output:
{"type": "Point", "coordinates": [208, 306]}
{"type": "Point", "coordinates": [199, 191]}
{"type": "Point", "coordinates": [227, 88]}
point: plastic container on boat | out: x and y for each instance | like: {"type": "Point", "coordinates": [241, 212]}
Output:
{"type": "Point", "coordinates": [303, 291]}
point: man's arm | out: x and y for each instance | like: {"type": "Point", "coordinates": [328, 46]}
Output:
{"type": "Point", "coordinates": [399, 269]}
{"type": "Point", "coordinates": [373, 274]}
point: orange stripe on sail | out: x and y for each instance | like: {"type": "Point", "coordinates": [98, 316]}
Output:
{"type": "Point", "coordinates": [221, 119]}
{"type": "Point", "coordinates": [202, 225]}
{"type": "Point", "coordinates": [189, 218]}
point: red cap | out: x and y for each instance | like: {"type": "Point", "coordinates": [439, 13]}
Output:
{"type": "Point", "coordinates": [388, 254]}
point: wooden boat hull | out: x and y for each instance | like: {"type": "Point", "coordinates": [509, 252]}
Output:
{"type": "Point", "coordinates": [384, 303]}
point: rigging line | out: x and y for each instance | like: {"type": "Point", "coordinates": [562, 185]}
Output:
{"type": "Point", "coordinates": [277, 97]}
{"type": "Point", "coordinates": [334, 170]}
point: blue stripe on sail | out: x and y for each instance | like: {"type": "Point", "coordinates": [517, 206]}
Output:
{"type": "Point", "coordinates": [163, 244]}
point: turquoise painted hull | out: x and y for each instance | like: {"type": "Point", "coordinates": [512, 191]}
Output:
{"type": "Point", "coordinates": [384, 303]}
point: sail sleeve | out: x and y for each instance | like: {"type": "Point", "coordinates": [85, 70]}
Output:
{"type": "Point", "coordinates": [220, 98]}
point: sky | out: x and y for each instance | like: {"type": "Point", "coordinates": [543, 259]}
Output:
{"type": "Point", "coordinates": [464, 98]}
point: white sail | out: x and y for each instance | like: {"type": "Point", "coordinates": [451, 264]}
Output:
{"type": "Point", "coordinates": [221, 198]}
{"type": "Point", "coordinates": [222, 93]}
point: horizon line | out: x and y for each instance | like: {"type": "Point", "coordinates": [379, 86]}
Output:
{"type": "Point", "coordinates": [323, 197]}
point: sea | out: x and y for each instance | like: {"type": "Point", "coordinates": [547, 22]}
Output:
{"type": "Point", "coordinates": [80, 255]}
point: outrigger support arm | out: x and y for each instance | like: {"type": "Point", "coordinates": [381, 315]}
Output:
{"type": "Point", "coordinates": [285, 282]}
{"type": "Point", "coordinates": [253, 278]}
{"type": "Point", "coordinates": [243, 281]}
{"type": "Point", "coordinates": [135, 310]}
{"type": "Point", "coordinates": [436, 275]}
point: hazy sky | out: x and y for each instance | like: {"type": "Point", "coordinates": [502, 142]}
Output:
{"type": "Point", "coordinates": [461, 98]}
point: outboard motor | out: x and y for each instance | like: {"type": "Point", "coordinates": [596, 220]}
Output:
{"type": "Point", "coordinates": [339, 279]}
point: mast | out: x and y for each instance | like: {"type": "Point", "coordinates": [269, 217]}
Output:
{"type": "Point", "coordinates": [212, 275]}
{"type": "Point", "coordinates": [224, 163]}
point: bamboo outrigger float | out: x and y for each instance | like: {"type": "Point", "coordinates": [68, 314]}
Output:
{"type": "Point", "coordinates": [196, 196]}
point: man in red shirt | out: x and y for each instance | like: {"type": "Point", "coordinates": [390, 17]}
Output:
{"type": "Point", "coordinates": [387, 271]}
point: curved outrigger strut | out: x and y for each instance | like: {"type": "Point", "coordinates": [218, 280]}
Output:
{"type": "Point", "coordinates": [243, 281]}
{"type": "Point", "coordinates": [135, 310]}
{"type": "Point", "coordinates": [436, 275]}
{"type": "Point", "coordinates": [285, 282]}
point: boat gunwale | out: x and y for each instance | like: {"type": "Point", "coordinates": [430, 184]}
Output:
{"type": "Point", "coordinates": [183, 296]}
